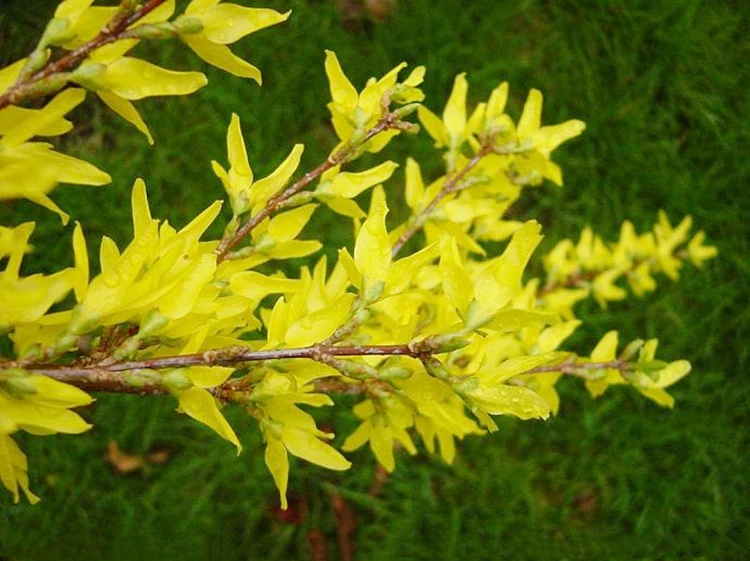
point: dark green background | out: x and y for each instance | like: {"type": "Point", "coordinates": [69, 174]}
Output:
{"type": "Point", "coordinates": [662, 86]}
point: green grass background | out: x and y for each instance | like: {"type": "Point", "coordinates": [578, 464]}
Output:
{"type": "Point", "coordinates": [662, 86]}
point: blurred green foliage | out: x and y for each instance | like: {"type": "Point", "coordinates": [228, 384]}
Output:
{"type": "Point", "coordinates": [663, 89]}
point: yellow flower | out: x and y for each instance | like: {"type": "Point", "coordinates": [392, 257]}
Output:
{"type": "Point", "coordinates": [287, 428]}
{"type": "Point", "coordinates": [223, 24]}
{"type": "Point", "coordinates": [605, 351]}
{"type": "Point", "coordinates": [383, 425]}
{"type": "Point", "coordinates": [651, 382]}
{"type": "Point", "coordinates": [30, 170]}
{"type": "Point", "coordinates": [38, 405]}
{"type": "Point", "coordinates": [353, 113]}
{"type": "Point", "coordinates": [698, 252]}
{"type": "Point", "coordinates": [161, 269]}
{"type": "Point", "coordinates": [14, 468]}
{"type": "Point", "coordinates": [24, 300]}
{"type": "Point", "coordinates": [203, 407]}
{"type": "Point", "coordinates": [244, 192]}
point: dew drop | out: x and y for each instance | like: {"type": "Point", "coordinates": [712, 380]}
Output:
{"type": "Point", "coordinates": [111, 279]}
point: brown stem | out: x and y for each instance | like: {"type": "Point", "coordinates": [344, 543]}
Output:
{"type": "Point", "coordinates": [113, 31]}
{"type": "Point", "coordinates": [388, 121]}
{"type": "Point", "coordinates": [105, 381]}
{"type": "Point", "coordinates": [222, 357]}
{"type": "Point", "coordinates": [451, 185]}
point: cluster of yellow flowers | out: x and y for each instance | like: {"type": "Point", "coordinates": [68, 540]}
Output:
{"type": "Point", "coordinates": [437, 341]}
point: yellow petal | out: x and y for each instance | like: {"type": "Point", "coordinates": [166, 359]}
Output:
{"type": "Point", "coordinates": [456, 280]}
{"type": "Point", "coordinates": [497, 101]}
{"type": "Point", "coordinates": [278, 464]}
{"type": "Point", "coordinates": [510, 400]}
{"type": "Point", "coordinates": [72, 9]}
{"type": "Point", "coordinates": [606, 349]}
{"type": "Point", "coordinates": [40, 120]}
{"type": "Point", "coordinates": [287, 225]}
{"type": "Point", "coordinates": [263, 189]}
{"type": "Point", "coordinates": [434, 126]}
{"type": "Point", "coordinates": [52, 393]}
{"type": "Point", "coordinates": [227, 23]}
{"type": "Point", "coordinates": [414, 184]}
{"type": "Point", "coordinates": [454, 115]}
{"type": "Point", "coordinates": [343, 93]}
{"type": "Point", "coordinates": [12, 115]}
{"type": "Point", "coordinates": [359, 437]}
{"type": "Point", "coordinates": [201, 406]}
{"type": "Point", "coordinates": [372, 250]}
{"type": "Point", "coordinates": [133, 78]}
{"type": "Point", "coordinates": [221, 57]}
{"type": "Point", "coordinates": [9, 74]}
{"type": "Point", "coordinates": [308, 447]}
{"type": "Point", "coordinates": [66, 169]}
{"type": "Point", "coordinates": [126, 110]}
{"type": "Point", "coordinates": [319, 325]}
{"type": "Point", "coordinates": [531, 117]}
{"type": "Point", "coordinates": [350, 184]}
{"type": "Point", "coordinates": [381, 443]}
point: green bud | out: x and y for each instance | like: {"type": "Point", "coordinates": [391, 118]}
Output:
{"type": "Point", "coordinates": [152, 323]}
{"type": "Point", "coordinates": [36, 60]}
{"type": "Point", "coordinates": [13, 373]}
{"type": "Point", "coordinates": [79, 325]}
{"type": "Point", "coordinates": [300, 199]}
{"type": "Point", "coordinates": [631, 350]}
{"type": "Point", "coordinates": [374, 291]}
{"type": "Point", "coordinates": [406, 110]}
{"type": "Point", "coordinates": [19, 387]}
{"type": "Point", "coordinates": [437, 369]}
{"type": "Point", "coordinates": [395, 373]}
{"type": "Point", "coordinates": [176, 380]}
{"type": "Point", "coordinates": [187, 25]}
{"type": "Point", "coordinates": [265, 243]}
{"type": "Point", "coordinates": [49, 85]}
{"type": "Point", "coordinates": [360, 121]}
{"type": "Point", "coordinates": [408, 128]}
{"type": "Point", "coordinates": [86, 74]}
{"type": "Point", "coordinates": [651, 368]}
{"type": "Point", "coordinates": [474, 319]}
{"type": "Point", "coordinates": [590, 373]}
{"type": "Point", "coordinates": [356, 370]}
{"type": "Point", "coordinates": [58, 32]}
{"type": "Point", "coordinates": [154, 31]}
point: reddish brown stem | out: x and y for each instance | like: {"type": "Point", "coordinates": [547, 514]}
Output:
{"type": "Point", "coordinates": [451, 185]}
{"type": "Point", "coordinates": [388, 121]}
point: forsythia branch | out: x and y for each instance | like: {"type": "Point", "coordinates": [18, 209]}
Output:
{"type": "Point", "coordinates": [452, 184]}
{"type": "Point", "coordinates": [390, 120]}
{"type": "Point", "coordinates": [117, 29]}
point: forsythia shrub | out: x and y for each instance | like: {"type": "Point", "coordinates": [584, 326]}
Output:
{"type": "Point", "coordinates": [436, 342]}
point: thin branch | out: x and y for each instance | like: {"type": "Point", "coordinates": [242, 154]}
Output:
{"type": "Point", "coordinates": [388, 121]}
{"type": "Point", "coordinates": [451, 185]}
{"type": "Point", "coordinates": [115, 30]}
{"type": "Point", "coordinates": [231, 356]}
